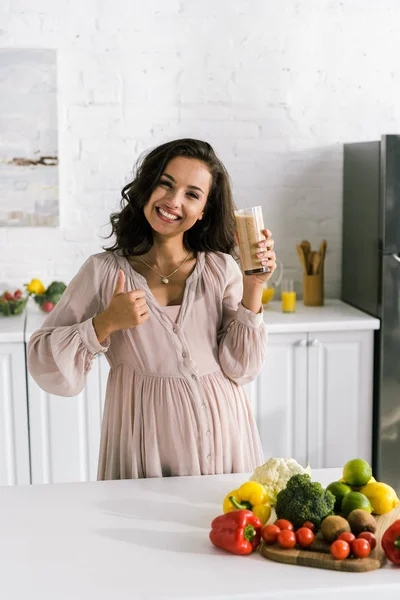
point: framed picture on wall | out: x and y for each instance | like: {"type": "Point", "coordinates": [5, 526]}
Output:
{"type": "Point", "coordinates": [28, 138]}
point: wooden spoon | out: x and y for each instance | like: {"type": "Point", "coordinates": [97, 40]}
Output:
{"type": "Point", "coordinates": [322, 251]}
{"type": "Point", "coordinates": [300, 252]}
{"type": "Point", "coordinates": [316, 263]}
{"type": "Point", "coordinates": [305, 244]}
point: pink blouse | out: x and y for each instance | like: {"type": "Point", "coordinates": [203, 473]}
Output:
{"type": "Point", "coordinates": [174, 402]}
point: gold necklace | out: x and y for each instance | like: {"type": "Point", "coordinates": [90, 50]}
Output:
{"type": "Point", "coordinates": [164, 278]}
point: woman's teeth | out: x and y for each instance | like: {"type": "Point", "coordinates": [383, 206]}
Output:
{"type": "Point", "coordinates": [168, 215]}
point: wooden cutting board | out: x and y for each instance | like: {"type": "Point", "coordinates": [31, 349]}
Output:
{"type": "Point", "coordinates": [319, 556]}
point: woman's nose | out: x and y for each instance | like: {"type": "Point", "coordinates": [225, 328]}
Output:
{"type": "Point", "coordinates": [176, 198]}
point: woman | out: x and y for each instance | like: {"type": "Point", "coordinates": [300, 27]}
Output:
{"type": "Point", "coordinates": [181, 327]}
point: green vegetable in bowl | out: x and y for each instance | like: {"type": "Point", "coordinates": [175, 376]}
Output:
{"type": "Point", "coordinates": [12, 304]}
{"type": "Point", "coordinates": [304, 500]}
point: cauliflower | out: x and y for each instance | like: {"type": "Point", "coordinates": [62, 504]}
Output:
{"type": "Point", "coordinates": [275, 473]}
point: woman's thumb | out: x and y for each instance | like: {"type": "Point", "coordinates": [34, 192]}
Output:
{"type": "Point", "coordinates": [120, 287]}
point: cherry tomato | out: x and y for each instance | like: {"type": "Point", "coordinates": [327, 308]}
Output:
{"type": "Point", "coordinates": [269, 534]}
{"type": "Point", "coordinates": [346, 536]}
{"type": "Point", "coordinates": [8, 296]}
{"type": "Point", "coordinates": [17, 294]}
{"type": "Point", "coordinates": [304, 537]}
{"type": "Point", "coordinates": [309, 525]}
{"type": "Point", "coordinates": [367, 535]}
{"type": "Point", "coordinates": [340, 549]}
{"type": "Point", "coordinates": [360, 548]}
{"type": "Point", "coordinates": [286, 538]}
{"type": "Point", "coordinates": [284, 524]}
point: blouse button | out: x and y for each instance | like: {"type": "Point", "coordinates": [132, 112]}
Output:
{"type": "Point", "coordinates": [203, 406]}
{"type": "Point", "coordinates": [208, 432]}
{"type": "Point", "coordinates": [175, 330]}
{"type": "Point", "coordinates": [184, 354]}
{"type": "Point", "coordinates": [209, 457]}
{"type": "Point", "coordinates": [194, 376]}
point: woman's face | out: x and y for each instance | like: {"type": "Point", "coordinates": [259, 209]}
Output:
{"type": "Point", "coordinates": [179, 197]}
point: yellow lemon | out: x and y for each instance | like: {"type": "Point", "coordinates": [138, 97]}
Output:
{"type": "Point", "coordinates": [382, 497]}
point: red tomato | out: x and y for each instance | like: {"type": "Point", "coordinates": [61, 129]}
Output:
{"type": "Point", "coordinates": [340, 549]}
{"type": "Point", "coordinates": [17, 294]}
{"type": "Point", "coordinates": [360, 548]}
{"type": "Point", "coordinates": [286, 538]}
{"type": "Point", "coordinates": [269, 534]}
{"type": "Point", "coordinates": [47, 306]}
{"type": "Point", "coordinates": [284, 524]}
{"type": "Point", "coordinates": [304, 537]}
{"type": "Point", "coordinates": [309, 525]}
{"type": "Point", "coordinates": [367, 535]}
{"type": "Point", "coordinates": [8, 296]}
{"type": "Point", "coordinates": [346, 536]}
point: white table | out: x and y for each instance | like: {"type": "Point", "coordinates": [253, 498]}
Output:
{"type": "Point", "coordinates": [141, 539]}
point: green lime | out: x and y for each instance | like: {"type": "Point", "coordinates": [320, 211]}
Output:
{"type": "Point", "coordinates": [357, 472]}
{"type": "Point", "coordinates": [354, 500]}
{"type": "Point", "coordinates": [339, 490]}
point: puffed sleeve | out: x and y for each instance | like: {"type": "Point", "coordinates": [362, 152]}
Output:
{"type": "Point", "coordinates": [61, 352]}
{"type": "Point", "coordinates": [242, 336]}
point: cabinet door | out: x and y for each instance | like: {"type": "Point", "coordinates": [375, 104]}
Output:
{"type": "Point", "coordinates": [65, 432]}
{"type": "Point", "coordinates": [279, 397]}
{"type": "Point", "coordinates": [340, 376]}
{"type": "Point", "coordinates": [14, 444]}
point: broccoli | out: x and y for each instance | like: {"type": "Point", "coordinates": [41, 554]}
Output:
{"type": "Point", "coordinates": [304, 500]}
{"type": "Point", "coordinates": [56, 287]}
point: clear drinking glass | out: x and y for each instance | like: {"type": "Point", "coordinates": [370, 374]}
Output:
{"type": "Point", "coordinates": [249, 226]}
{"type": "Point", "coordinates": [288, 296]}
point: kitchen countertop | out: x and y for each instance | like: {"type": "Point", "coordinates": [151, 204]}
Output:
{"type": "Point", "coordinates": [334, 316]}
{"type": "Point", "coordinates": [148, 538]}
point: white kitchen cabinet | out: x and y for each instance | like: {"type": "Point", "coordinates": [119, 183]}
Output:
{"type": "Point", "coordinates": [340, 385]}
{"type": "Point", "coordinates": [65, 432]}
{"type": "Point", "coordinates": [14, 440]}
{"type": "Point", "coordinates": [313, 398]}
{"type": "Point", "coordinates": [279, 397]}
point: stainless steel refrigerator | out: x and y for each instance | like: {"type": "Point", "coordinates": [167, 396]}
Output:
{"type": "Point", "coordinates": [371, 280]}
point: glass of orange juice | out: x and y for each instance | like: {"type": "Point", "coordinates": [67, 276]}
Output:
{"type": "Point", "coordinates": [268, 293]}
{"type": "Point", "coordinates": [288, 296]}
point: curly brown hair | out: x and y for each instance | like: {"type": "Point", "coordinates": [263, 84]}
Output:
{"type": "Point", "coordinates": [213, 233]}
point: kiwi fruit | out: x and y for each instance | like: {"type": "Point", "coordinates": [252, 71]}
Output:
{"type": "Point", "coordinates": [360, 520]}
{"type": "Point", "coordinates": [333, 526]}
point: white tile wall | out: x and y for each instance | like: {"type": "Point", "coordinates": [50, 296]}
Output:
{"type": "Point", "coordinates": [276, 87]}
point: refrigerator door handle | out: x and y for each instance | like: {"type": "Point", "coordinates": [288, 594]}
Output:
{"type": "Point", "coordinates": [397, 257]}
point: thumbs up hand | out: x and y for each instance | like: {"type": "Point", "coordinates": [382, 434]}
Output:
{"type": "Point", "coordinates": [126, 310]}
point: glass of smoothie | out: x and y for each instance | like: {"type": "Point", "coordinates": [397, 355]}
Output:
{"type": "Point", "coordinates": [249, 227]}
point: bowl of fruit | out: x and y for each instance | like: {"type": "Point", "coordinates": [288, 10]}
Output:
{"type": "Point", "coordinates": [12, 304]}
{"type": "Point", "coordinates": [45, 298]}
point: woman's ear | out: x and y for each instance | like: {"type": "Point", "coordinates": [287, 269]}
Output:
{"type": "Point", "coordinates": [201, 216]}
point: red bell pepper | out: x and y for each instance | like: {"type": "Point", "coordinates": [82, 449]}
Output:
{"type": "Point", "coordinates": [391, 542]}
{"type": "Point", "coordinates": [238, 531]}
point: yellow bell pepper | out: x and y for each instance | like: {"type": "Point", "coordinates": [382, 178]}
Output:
{"type": "Point", "coordinates": [35, 287]}
{"type": "Point", "coordinates": [251, 496]}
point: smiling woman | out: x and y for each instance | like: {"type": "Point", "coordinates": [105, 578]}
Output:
{"type": "Point", "coordinates": [182, 326]}
{"type": "Point", "coordinates": [194, 169]}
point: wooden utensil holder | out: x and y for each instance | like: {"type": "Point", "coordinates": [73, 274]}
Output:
{"type": "Point", "coordinates": [313, 290]}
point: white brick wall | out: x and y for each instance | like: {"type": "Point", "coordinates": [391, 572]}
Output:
{"type": "Point", "coordinates": [276, 87]}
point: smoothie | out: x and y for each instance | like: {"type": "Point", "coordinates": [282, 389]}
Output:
{"type": "Point", "coordinates": [249, 225]}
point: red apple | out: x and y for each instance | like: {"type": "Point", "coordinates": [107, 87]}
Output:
{"type": "Point", "coordinates": [47, 306]}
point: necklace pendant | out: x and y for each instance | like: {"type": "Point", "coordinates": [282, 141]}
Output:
{"type": "Point", "coordinates": [164, 280]}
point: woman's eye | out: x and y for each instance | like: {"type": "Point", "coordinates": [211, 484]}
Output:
{"type": "Point", "coordinates": [193, 195]}
{"type": "Point", "coordinates": [166, 183]}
